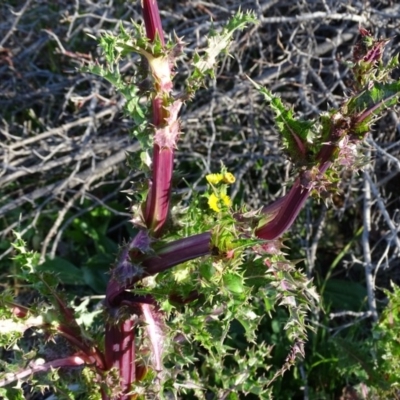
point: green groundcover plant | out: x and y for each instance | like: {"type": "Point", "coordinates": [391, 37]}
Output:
{"type": "Point", "coordinates": [187, 293]}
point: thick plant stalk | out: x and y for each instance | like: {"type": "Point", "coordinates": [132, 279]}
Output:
{"type": "Point", "coordinates": [155, 332]}
{"type": "Point", "coordinates": [120, 354]}
{"type": "Point", "coordinates": [120, 336]}
{"type": "Point", "coordinates": [168, 256]}
{"type": "Point", "coordinates": [289, 209]}
{"type": "Point", "coordinates": [157, 202]}
{"type": "Point", "coordinates": [178, 252]}
{"type": "Point", "coordinates": [152, 20]}
{"type": "Point", "coordinates": [73, 361]}
{"type": "Point", "coordinates": [165, 123]}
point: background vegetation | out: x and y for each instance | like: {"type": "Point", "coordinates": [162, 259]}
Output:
{"type": "Point", "coordinates": [64, 141]}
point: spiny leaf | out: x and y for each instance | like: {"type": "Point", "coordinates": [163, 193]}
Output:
{"type": "Point", "coordinates": [206, 62]}
{"type": "Point", "coordinates": [298, 135]}
{"type": "Point", "coordinates": [233, 282]}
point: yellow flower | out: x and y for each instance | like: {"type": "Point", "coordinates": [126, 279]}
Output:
{"type": "Point", "coordinates": [229, 178]}
{"type": "Point", "coordinates": [226, 200]}
{"type": "Point", "coordinates": [213, 203]}
{"type": "Point", "coordinates": [214, 179]}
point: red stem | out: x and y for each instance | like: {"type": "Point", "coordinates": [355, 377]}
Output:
{"type": "Point", "coordinates": [152, 20]}
{"type": "Point", "coordinates": [72, 361]}
{"type": "Point", "coordinates": [120, 353]}
{"type": "Point", "coordinates": [285, 210]}
{"type": "Point", "coordinates": [157, 202]}
{"type": "Point", "coordinates": [171, 254]}
{"type": "Point", "coordinates": [92, 354]}
{"type": "Point", "coordinates": [177, 252]}
{"type": "Point", "coordinates": [288, 211]}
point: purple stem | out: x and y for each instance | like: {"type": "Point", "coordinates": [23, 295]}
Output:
{"type": "Point", "coordinates": [93, 354]}
{"type": "Point", "coordinates": [152, 20]}
{"type": "Point", "coordinates": [154, 327]}
{"type": "Point", "coordinates": [155, 212]}
{"type": "Point", "coordinates": [289, 209]}
{"type": "Point", "coordinates": [178, 252]}
{"type": "Point", "coordinates": [157, 202]}
{"type": "Point", "coordinates": [286, 209]}
{"type": "Point", "coordinates": [72, 361]}
{"type": "Point", "coordinates": [367, 113]}
{"type": "Point", "coordinates": [168, 256]}
{"type": "Point", "coordinates": [120, 353]}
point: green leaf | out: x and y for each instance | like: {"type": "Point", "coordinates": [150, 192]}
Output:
{"type": "Point", "coordinates": [66, 272]}
{"type": "Point", "coordinates": [248, 321]}
{"type": "Point", "coordinates": [374, 100]}
{"type": "Point", "coordinates": [207, 271]}
{"type": "Point", "coordinates": [95, 279]}
{"type": "Point", "coordinates": [218, 42]}
{"type": "Point", "coordinates": [342, 294]}
{"type": "Point", "coordinates": [298, 135]}
{"type": "Point", "coordinates": [233, 282]}
{"type": "Point", "coordinates": [95, 272]}
{"type": "Point", "coordinates": [12, 394]}
{"type": "Point", "coordinates": [357, 354]}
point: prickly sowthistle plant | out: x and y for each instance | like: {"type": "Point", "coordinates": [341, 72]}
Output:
{"type": "Point", "coordinates": [176, 292]}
